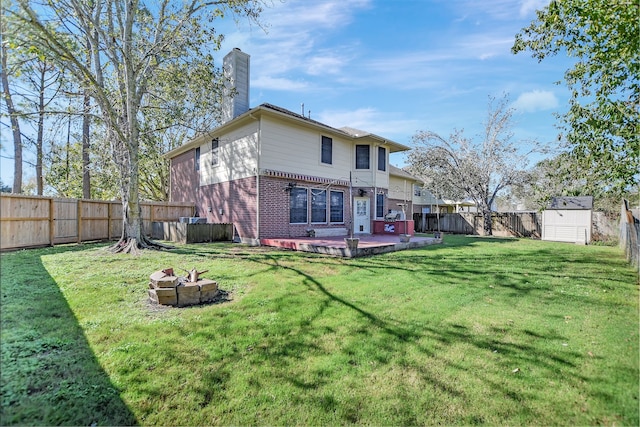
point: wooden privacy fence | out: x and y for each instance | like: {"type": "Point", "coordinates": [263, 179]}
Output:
{"type": "Point", "coordinates": [31, 221]}
{"type": "Point", "coordinates": [630, 234]}
{"type": "Point", "coordinates": [520, 224]}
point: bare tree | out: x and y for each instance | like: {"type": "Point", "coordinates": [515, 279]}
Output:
{"type": "Point", "coordinates": [461, 167]}
{"type": "Point", "coordinates": [131, 43]}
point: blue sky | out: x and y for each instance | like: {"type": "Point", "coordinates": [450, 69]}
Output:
{"type": "Point", "coordinates": [396, 67]}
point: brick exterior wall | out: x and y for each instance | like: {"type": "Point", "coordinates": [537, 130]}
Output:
{"type": "Point", "coordinates": [393, 205]}
{"type": "Point", "coordinates": [231, 201]}
{"type": "Point", "coordinates": [227, 202]}
{"type": "Point", "coordinates": [274, 208]}
{"type": "Point", "coordinates": [184, 179]}
{"type": "Point", "coordinates": [235, 201]}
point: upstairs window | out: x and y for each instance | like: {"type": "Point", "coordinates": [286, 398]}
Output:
{"type": "Point", "coordinates": [417, 190]}
{"type": "Point", "coordinates": [327, 150]}
{"type": "Point", "coordinates": [197, 159]}
{"type": "Point", "coordinates": [215, 152]}
{"type": "Point", "coordinates": [382, 159]}
{"type": "Point", "coordinates": [362, 156]}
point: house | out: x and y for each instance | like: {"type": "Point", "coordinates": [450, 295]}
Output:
{"type": "Point", "coordinates": [275, 173]}
{"type": "Point", "coordinates": [403, 186]}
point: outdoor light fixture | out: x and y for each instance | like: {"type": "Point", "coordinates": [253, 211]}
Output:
{"type": "Point", "coordinates": [362, 192]}
{"type": "Point", "coordinates": [290, 186]}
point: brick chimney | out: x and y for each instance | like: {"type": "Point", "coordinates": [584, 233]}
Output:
{"type": "Point", "coordinates": [236, 71]}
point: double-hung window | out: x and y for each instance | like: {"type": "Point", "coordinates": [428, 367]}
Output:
{"type": "Point", "coordinates": [337, 207]}
{"type": "Point", "coordinates": [299, 203]}
{"type": "Point", "coordinates": [197, 159]}
{"type": "Point", "coordinates": [382, 159]}
{"type": "Point", "coordinates": [362, 156]}
{"type": "Point", "coordinates": [298, 206]}
{"type": "Point", "coordinates": [327, 150]}
{"type": "Point", "coordinates": [379, 205]}
{"type": "Point", "coordinates": [318, 206]}
{"type": "Point", "coordinates": [215, 152]}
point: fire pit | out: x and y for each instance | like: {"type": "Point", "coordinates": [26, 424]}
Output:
{"type": "Point", "coordinates": [165, 288]}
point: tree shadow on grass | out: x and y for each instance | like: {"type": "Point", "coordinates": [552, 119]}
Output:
{"type": "Point", "coordinates": [49, 374]}
{"type": "Point", "coordinates": [537, 353]}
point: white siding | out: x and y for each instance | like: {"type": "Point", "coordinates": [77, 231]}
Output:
{"type": "Point", "coordinates": [400, 188]}
{"type": "Point", "coordinates": [295, 149]}
{"type": "Point", "coordinates": [237, 153]}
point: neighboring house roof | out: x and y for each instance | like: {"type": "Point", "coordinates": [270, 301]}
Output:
{"type": "Point", "coordinates": [396, 171]}
{"type": "Point", "coordinates": [348, 133]}
{"type": "Point", "coordinates": [572, 203]}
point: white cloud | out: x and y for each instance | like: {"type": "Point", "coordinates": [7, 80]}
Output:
{"type": "Point", "coordinates": [536, 100]}
{"type": "Point", "coordinates": [529, 6]}
{"type": "Point", "coordinates": [385, 124]}
{"type": "Point", "coordinates": [283, 84]}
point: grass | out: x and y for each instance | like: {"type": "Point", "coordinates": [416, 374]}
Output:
{"type": "Point", "coordinates": [493, 331]}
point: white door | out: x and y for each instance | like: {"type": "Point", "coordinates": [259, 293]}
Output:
{"type": "Point", "coordinates": [362, 218]}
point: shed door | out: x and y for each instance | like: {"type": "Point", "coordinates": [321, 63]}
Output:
{"type": "Point", "coordinates": [566, 225]}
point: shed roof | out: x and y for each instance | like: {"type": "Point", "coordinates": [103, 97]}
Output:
{"type": "Point", "coordinates": [571, 203]}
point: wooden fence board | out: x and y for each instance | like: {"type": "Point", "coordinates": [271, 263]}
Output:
{"type": "Point", "coordinates": [520, 224]}
{"type": "Point", "coordinates": [30, 221]}
{"type": "Point", "coordinates": [65, 216]}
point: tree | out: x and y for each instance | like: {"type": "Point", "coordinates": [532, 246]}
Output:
{"type": "Point", "coordinates": [601, 125]}
{"type": "Point", "coordinates": [460, 167]}
{"type": "Point", "coordinates": [131, 44]}
{"type": "Point", "coordinates": [548, 178]}
{"type": "Point", "coordinates": [11, 110]}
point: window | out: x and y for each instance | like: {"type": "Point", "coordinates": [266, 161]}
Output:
{"type": "Point", "coordinates": [379, 205]}
{"type": "Point", "coordinates": [337, 206]}
{"type": "Point", "coordinates": [327, 150]}
{"type": "Point", "coordinates": [197, 160]}
{"type": "Point", "coordinates": [382, 159]}
{"type": "Point", "coordinates": [417, 191]}
{"type": "Point", "coordinates": [362, 157]}
{"type": "Point", "coordinates": [298, 206]}
{"type": "Point", "coordinates": [318, 205]}
{"type": "Point", "coordinates": [215, 152]}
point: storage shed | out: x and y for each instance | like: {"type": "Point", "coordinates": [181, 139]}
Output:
{"type": "Point", "coordinates": [568, 219]}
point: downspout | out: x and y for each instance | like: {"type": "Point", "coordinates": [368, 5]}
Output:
{"type": "Point", "coordinates": [259, 150]}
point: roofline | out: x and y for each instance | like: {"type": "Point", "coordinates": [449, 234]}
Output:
{"type": "Point", "coordinates": [396, 171]}
{"type": "Point", "coordinates": [286, 114]}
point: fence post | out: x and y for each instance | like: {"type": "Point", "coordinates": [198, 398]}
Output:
{"type": "Point", "coordinates": [109, 220]}
{"type": "Point", "coordinates": [52, 231]}
{"type": "Point", "coordinates": [79, 226]}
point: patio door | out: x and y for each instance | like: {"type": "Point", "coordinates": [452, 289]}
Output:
{"type": "Point", "coordinates": [361, 215]}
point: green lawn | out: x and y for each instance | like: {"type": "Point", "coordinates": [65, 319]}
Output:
{"type": "Point", "coordinates": [495, 331]}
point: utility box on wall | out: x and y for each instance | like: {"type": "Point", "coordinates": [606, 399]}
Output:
{"type": "Point", "coordinates": [568, 219]}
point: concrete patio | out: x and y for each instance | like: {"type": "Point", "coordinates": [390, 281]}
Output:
{"type": "Point", "coordinates": [369, 244]}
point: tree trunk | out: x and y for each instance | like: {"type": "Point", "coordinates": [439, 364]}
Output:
{"type": "Point", "coordinates": [488, 224]}
{"type": "Point", "coordinates": [15, 126]}
{"type": "Point", "coordinates": [133, 238]}
{"type": "Point", "coordinates": [86, 121]}
{"type": "Point", "coordinates": [86, 176]}
{"type": "Point", "coordinates": [40, 136]}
